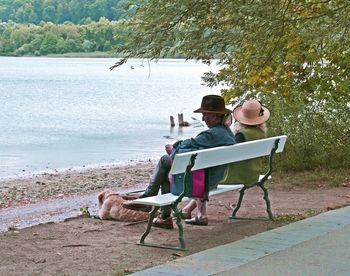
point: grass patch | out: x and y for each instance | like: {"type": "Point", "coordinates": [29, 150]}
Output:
{"type": "Point", "coordinates": [85, 55]}
{"type": "Point", "coordinates": [327, 178]}
{"type": "Point", "coordinates": [126, 272]}
{"type": "Point", "coordinates": [289, 218]}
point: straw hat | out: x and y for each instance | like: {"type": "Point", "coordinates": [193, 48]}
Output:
{"type": "Point", "coordinates": [213, 104]}
{"type": "Point", "coordinates": [251, 112]}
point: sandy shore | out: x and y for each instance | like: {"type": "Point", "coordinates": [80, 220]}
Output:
{"type": "Point", "coordinates": [76, 245]}
{"type": "Point", "coordinates": [14, 192]}
{"type": "Point", "coordinates": [87, 246]}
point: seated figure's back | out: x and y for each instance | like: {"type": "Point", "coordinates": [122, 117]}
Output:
{"type": "Point", "coordinates": [245, 172]}
{"type": "Point", "coordinates": [251, 117]}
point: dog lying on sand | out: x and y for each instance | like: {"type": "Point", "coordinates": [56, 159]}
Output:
{"type": "Point", "coordinates": [110, 207]}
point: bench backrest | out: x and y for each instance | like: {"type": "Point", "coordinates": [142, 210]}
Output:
{"type": "Point", "coordinates": [212, 157]}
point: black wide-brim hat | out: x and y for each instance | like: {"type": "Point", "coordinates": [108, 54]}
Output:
{"type": "Point", "coordinates": [213, 104]}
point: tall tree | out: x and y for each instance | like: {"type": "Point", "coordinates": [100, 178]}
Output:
{"type": "Point", "coordinates": [59, 11]}
{"type": "Point", "coordinates": [293, 54]}
{"type": "Point", "coordinates": [49, 13]}
{"type": "Point", "coordinates": [261, 43]}
{"type": "Point", "coordinates": [26, 13]}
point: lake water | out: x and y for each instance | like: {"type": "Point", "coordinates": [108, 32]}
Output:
{"type": "Point", "coordinates": [59, 113]}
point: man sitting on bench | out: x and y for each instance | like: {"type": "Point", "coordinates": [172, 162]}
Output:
{"type": "Point", "coordinates": [213, 110]}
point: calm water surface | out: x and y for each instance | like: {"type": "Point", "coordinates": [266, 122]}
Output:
{"type": "Point", "coordinates": [61, 113]}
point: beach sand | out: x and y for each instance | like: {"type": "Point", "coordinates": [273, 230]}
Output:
{"type": "Point", "coordinates": [88, 246]}
{"type": "Point", "coordinates": [35, 188]}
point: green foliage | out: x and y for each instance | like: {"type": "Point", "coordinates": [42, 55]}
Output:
{"type": "Point", "coordinates": [60, 11]}
{"type": "Point", "coordinates": [84, 211]}
{"type": "Point", "coordinates": [294, 55]}
{"type": "Point", "coordinates": [311, 179]}
{"type": "Point", "coordinates": [318, 132]}
{"type": "Point", "coordinates": [49, 38]}
{"type": "Point", "coordinates": [289, 218]}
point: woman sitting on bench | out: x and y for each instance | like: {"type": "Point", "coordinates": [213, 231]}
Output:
{"type": "Point", "coordinates": [250, 125]}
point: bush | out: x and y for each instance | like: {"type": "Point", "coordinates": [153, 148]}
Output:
{"type": "Point", "coordinates": [318, 133]}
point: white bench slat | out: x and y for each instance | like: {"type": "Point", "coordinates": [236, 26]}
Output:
{"type": "Point", "coordinates": [167, 199]}
{"type": "Point", "coordinates": [212, 157]}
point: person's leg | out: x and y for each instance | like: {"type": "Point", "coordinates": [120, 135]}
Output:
{"type": "Point", "coordinates": [202, 208]}
{"type": "Point", "coordinates": [201, 217]}
{"type": "Point", "coordinates": [164, 220]}
{"type": "Point", "coordinates": [187, 210]}
{"type": "Point", "coordinates": [160, 178]}
{"type": "Point", "coordinates": [165, 187]}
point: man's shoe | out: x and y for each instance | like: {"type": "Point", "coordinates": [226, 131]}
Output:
{"type": "Point", "coordinates": [163, 223]}
{"type": "Point", "coordinates": [137, 207]}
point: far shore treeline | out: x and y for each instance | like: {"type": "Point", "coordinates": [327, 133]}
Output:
{"type": "Point", "coordinates": [60, 11]}
{"type": "Point", "coordinates": [44, 27]}
{"type": "Point", "coordinates": [48, 38]}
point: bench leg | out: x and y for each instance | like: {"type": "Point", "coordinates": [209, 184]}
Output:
{"type": "Point", "coordinates": [241, 194]}
{"type": "Point", "coordinates": [179, 226]}
{"type": "Point", "coordinates": [149, 225]}
{"type": "Point", "coordinates": [267, 200]}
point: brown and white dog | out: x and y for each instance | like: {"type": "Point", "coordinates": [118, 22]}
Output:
{"type": "Point", "coordinates": [110, 207]}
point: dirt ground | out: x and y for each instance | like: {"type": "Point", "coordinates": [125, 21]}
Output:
{"type": "Point", "coordinates": [87, 246]}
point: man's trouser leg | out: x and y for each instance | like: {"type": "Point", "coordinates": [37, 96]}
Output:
{"type": "Point", "coordinates": [160, 180]}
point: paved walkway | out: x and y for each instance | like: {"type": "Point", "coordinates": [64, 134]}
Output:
{"type": "Point", "coordinates": [318, 245]}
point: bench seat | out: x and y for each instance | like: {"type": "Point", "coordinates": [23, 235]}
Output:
{"type": "Point", "coordinates": [168, 199]}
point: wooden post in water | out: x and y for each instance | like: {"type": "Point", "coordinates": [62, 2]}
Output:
{"type": "Point", "coordinates": [172, 121]}
{"type": "Point", "coordinates": [182, 123]}
{"type": "Point", "coordinates": [180, 117]}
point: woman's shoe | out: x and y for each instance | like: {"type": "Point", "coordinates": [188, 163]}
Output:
{"type": "Point", "coordinates": [197, 221]}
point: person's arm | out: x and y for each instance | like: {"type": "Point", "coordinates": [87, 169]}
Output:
{"type": "Point", "coordinates": [190, 144]}
{"type": "Point", "coordinates": [201, 141]}
{"type": "Point", "coordinates": [213, 137]}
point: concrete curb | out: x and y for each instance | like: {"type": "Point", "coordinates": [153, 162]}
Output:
{"type": "Point", "coordinates": [223, 258]}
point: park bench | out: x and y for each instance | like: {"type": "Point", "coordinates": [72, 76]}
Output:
{"type": "Point", "coordinates": [206, 158]}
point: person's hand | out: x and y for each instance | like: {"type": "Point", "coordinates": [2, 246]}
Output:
{"type": "Point", "coordinates": [168, 148]}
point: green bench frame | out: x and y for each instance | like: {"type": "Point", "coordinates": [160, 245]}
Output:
{"type": "Point", "coordinates": [186, 162]}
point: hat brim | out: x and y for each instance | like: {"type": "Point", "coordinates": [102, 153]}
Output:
{"type": "Point", "coordinates": [238, 115]}
{"type": "Point", "coordinates": [221, 111]}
